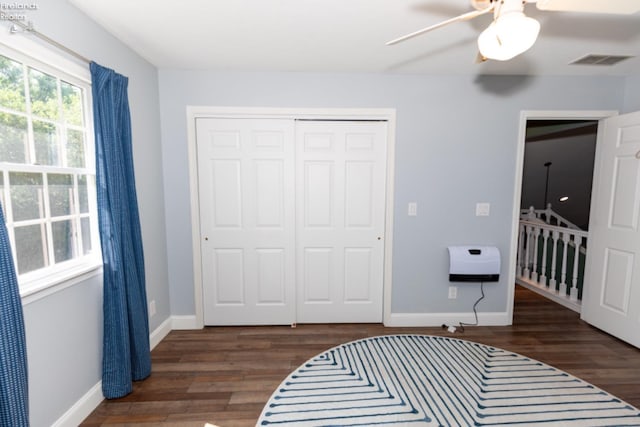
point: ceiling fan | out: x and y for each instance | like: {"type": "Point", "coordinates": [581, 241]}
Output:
{"type": "Point", "coordinates": [512, 32]}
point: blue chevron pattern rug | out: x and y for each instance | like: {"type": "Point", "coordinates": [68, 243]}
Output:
{"type": "Point", "coordinates": [418, 380]}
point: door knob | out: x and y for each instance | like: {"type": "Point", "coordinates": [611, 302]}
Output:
{"type": "Point", "coordinates": [638, 155]}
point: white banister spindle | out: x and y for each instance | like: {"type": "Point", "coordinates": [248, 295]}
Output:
{"type": "Point", "coordinates": [547, 213]}
{"type": "Point", "coordinates": [527, 257]}
{"type": "Point", "coordinates": [576, 258]}
{"type": "Point", "coordinates": [534, 270]}
{"type": "Point", "coordinates": [563, 274]}
{"type": "Point", "coordinates": [520, 266]}
{"type": "Point", "coordinates": [554, 257]}
{"type": "Point", "coordinates": [543, 276]}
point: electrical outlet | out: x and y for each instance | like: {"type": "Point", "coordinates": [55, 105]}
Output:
{"type": "Point", "coordinates": [453, 292]}
{"type": "Point", "coordinates": [152, 308]}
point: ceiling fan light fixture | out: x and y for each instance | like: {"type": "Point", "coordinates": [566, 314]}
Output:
{"type": "Point", "coordinates": [508, 36]}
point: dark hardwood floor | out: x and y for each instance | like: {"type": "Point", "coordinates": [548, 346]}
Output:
{"type": "Point", "coordinates": [224, 375]}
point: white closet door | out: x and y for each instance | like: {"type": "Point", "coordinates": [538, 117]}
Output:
{"type": "Point", "coordinates": [341, 176]}
{"type": "Point", "coordinates": [246, 178]}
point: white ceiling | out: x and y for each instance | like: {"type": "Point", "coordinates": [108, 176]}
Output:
{"type": "Point", "coordinates": [350, 36]}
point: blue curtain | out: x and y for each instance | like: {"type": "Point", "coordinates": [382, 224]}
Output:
{"type": "Point", "coordinates": [14, 394]}
{"type": "Point", "coordinates": [126, 352]}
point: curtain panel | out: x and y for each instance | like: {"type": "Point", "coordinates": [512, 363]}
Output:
{"type": "Point", "coordinates": [126, 351]}
{"type": "Point", "coordinates": [14, 394]}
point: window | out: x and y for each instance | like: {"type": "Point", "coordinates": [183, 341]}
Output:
{"type": "Point", "coordinates": [47, 173]}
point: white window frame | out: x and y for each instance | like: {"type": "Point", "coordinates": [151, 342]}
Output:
{"type": "Point", "coordinates": [39, 283]}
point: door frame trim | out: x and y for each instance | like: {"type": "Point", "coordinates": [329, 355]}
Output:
{"type": "Point", "coordinates": [195, 112]}
{"type": "Point", "coordinates": [519, 169]}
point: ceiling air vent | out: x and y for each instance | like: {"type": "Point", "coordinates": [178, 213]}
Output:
{"type": "Point", "coordinates": [600, 59]}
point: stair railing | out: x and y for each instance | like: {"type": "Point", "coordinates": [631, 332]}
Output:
{"type": "Point", "coordinates": [543, 259]}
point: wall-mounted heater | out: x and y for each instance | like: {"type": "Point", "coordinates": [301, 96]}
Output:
{"type": "Point", "coordinates": [474, 264]}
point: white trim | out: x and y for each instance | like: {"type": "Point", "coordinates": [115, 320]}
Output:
{"type": "Point", "coordinates": [23, 43]}
{"type": "Point", "coordinates": [453, 319]}
{"type": "Point", "coordinates": [64, 280]}
{"type": "Point", "coordinates": [185, 323]}
{"type": "Point", "coordinates": [82, 408]}
{"type": "Point", "coordinates": [387, 285]}
{"type": "Point", "coordinates": [517, 188]}
{"type": "Point", "coordinates": [194, 112]}
{"type": "Point", "coordinates": [160, 332]}
{"type": "Point", "coordinates": [94, 397]}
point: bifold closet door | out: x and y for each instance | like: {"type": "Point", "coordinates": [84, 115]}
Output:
{"type": "Point", "coordinates": [340, 178]}
{"type": "Point", "coordinates": [246, 177]}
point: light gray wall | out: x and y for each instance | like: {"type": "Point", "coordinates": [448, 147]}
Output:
{"type": "Point", "coordinates": [64, 349]}
{"type": "Point", "coordinates": [632, 95]}
{"type": "Point", "coordinates": [456, 145]}
{"type": "Point", "coordinates": [64, 330]}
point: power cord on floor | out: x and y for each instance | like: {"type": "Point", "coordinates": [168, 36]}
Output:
{"type": "Point", "coordinates": [461, 325]}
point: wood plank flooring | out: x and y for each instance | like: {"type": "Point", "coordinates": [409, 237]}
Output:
{"type": "Point", "coordinates": [225, 375]}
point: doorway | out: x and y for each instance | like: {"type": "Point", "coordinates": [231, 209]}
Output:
{"type": "Point", "coordinates": [521, 266]}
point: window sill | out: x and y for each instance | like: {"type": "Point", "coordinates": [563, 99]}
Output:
{"type": "Point", "coordinates": [57, 282]}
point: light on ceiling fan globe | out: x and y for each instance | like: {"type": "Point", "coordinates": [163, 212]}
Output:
{"type": "Point", "coordinates": [508, 36]}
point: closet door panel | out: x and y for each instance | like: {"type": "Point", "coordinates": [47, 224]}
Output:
{"type": "Point", "coordinates": [341, 168]}
{"type": "Point", "coordinates": [246, 177]}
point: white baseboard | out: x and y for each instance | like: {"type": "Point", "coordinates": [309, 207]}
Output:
{"type": "Point", "coordinates": [82, 408]}
{"type": "Point", "coordinates": [90, 401]}
{"type": "Point", "coordinates": [184, 322]}
{"type": "Point", "coordinates": [159, 333]}
{"type": "Point", "coordinates": [439, 319]}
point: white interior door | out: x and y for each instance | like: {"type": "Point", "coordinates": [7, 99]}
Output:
{"type": "Point", "coordinates": [341, 173]}
{"type": "Point", "coordinates": [246, 177]}
{"type": "Point", "coordinates": [611, 299]}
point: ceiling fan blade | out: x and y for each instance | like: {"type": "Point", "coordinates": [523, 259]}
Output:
{"type": "Point", "coordinates": [619, 7]}
{"type": "Point", "coordinates": [463, 17]}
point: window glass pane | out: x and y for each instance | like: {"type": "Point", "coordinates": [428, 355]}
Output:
{"type": "Point", "coordinates": [13, 138]}
{"type": "Point", "coordinates": [71, 103]}
{"type": "Point", "coordinates": [63, 241]}
{"type": "Point", "coordinates": [26, 195]}
{"type": "Point", "coordinates": [46, 141]}
{"type": "Point", "coordinates": [30, 247]}
{"type": "Point", "coordinates": [11, 85]}
{"type": "Point", "coordinates": [83, 196]}
{"type": "Point", "coordinates": [75, 149]}
{"type": "Point", "coordinates": [43, 91]}
{"type": "Point", "coordinates": [86, 235]}
{"type": "Point", "coordinates": [60, 193]}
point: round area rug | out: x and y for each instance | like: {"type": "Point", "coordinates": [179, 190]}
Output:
{"type": "Point", "coordinates": [420, 380]}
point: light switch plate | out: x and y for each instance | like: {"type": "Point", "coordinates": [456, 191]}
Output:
{"type": "Point", "coordinates": [483, 209]}
{"type": "Point", "coordinates": [413, 209]}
